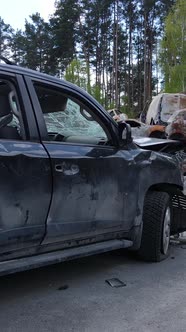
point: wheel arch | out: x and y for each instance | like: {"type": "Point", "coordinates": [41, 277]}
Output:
{"type": "Point", "coordinates": [174, 191]}
{"type": "Point", "coordinates": [169, 188]}
{"type": "Point", "coordinates": [178, 204]}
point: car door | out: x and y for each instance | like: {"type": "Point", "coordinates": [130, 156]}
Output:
{"type": "Point", "coordinates": [87, 196]}
{"type": "Point", "coordinates": [25, 175]}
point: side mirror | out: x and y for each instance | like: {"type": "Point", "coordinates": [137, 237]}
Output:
{"type": "Point", "coordinates": [125, 134]}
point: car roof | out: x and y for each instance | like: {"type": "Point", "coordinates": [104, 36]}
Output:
{"type": "Point", "coordinates": [34, 73]}
{"type": "Point", "coordinates": [39, 75]}
{"type": "Point", "coordinates": [16, 69]}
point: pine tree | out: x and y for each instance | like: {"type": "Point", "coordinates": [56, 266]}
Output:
{"type": "Point", "coordinates": [5, 38]}
{"type": "Point", "coordinates": [173, 49]}
{"type": "Point", "coordinates": [64, 32]}
{"type": "Point", "coordinates": [18, 48]}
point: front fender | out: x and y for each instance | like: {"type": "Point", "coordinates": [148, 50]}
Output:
{"type": "Point", "coordinates": [146, 170]}
{"type": "Point", "coordinates": [152, 171]}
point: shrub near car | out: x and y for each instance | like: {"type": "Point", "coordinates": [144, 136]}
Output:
{"type": "Point", "coordinates": [73, 182]}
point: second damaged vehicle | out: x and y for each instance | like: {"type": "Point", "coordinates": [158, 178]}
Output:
{"type": "Point", "coordinates": [73, 181]}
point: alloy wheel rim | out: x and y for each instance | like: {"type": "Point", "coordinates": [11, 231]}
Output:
{"type": "Point", "coordinates": [166, 231]}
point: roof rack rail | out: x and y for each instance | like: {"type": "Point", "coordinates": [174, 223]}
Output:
{"type": "Point", "coordinates": [8, 62]}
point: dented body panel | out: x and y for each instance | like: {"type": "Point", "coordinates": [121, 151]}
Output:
{"type": "Point", "coordinates": [23, 209]}
{"type": "Point", "coordinates": [59, 192]}
{"type": "Point", "coordinates": [105, 187]}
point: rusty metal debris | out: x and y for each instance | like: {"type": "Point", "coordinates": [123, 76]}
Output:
{"type": "Point", "coordinates": [163, 106]}
{"type": "Point", "coordinates": [179, 240]}
{"type": "Point", "coordinates": [176, 127]}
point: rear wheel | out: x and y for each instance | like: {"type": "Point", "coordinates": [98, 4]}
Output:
{"type": "Point", "coordinates": [156, 227]}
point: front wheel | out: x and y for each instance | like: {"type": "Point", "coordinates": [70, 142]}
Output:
{"type": "Point", "coordinates": [156, 227]}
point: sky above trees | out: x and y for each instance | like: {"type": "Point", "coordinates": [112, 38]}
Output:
{"type": "Point", "coordinates": [15, 12]}
{"type": "Point", "coordinates": [109, 47]}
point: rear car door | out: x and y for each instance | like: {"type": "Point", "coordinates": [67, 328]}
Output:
{"type": "Point", "coordinates": [87, 196]}
{"type": "Point", "coordinates": [25, 174]}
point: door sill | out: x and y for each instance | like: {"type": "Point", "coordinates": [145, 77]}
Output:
{"type": "Point", "coordinates": [36, 261]}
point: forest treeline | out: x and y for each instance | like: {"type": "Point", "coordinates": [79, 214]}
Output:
{"type": "Point", "coordinates": [111, 48]}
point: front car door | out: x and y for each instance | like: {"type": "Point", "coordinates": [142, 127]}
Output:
{"type": "Point", "coordinates": [25, 174]}
{"type": "Point", "coordinates": [87, 192]}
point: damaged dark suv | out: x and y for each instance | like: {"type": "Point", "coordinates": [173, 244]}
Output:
{"type": "Point", "coordinates": [73, 181]}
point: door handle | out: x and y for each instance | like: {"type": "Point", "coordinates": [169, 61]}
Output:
{"type": "Point", "coordinates": [59, 168]}
{"type": "Point", "coordinates": [67, 169]}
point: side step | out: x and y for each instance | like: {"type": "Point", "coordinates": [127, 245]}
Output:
{"type": "Point", "coordinates": [54, 257]}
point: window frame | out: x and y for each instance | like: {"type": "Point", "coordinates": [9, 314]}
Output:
{"type": "Point", "coordinates": [75, 96]}
{"type": "Point", "coordinates": [10, 80]}
{"type": "Point", "coordinates": [30, 127]}
{"type": "Point", "coordinates": [72, 130]}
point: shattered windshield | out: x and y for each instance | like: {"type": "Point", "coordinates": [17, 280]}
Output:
{"type": "Point", "coordinates": [72, 122]}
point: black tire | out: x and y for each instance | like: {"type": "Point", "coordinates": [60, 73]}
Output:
{"type": "Point", "coordinates": [176, 136]}
{"type": "Point", "coordinates": [158, 134]}
{"type": "Point", "coordinates": [156, 227]}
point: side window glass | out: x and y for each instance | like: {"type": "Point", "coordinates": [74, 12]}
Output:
{"type": "Point", "coordinates": [10, 114]}
{"type": "Point", "coordinates": [68, 120]}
